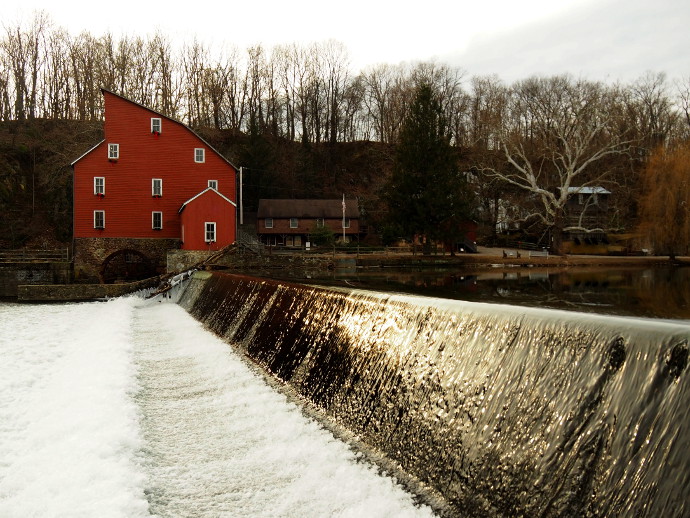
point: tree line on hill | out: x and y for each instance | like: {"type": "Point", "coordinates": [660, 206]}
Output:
{"type": "Point", "coordinates": [305, 125]}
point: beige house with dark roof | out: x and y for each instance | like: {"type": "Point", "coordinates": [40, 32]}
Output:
{"type": "Point", "coordinates": [290, 223]}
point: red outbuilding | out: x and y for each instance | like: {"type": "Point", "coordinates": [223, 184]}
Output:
{"type": "Point", "coordinates": [131, 188]}
{"type": "Point", "coordinates": [211, 212]}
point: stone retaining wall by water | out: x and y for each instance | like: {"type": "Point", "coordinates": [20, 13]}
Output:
{"type": "Point", "coordinates": [81, 292]}
{"type": "Point", "coordinates": [14, 274]}
{"type": "Point", "coordinates": [504, 411]}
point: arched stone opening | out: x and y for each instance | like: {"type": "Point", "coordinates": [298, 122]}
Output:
{"type": "Point", "coordinates": [126, 265]}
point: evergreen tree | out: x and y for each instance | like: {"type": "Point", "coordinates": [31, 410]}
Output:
{"type": "Point", "coordinates": [427, 195]}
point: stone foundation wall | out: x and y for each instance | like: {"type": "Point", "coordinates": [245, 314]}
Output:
{"type": "Point", "coordinates": [90, 254]}
{"type": "Point", "coordinates": [14, 274]}
{"type": "Point", "coordinates": [81, 292]}
{"type": "Point", "coordinates": [180, 260]}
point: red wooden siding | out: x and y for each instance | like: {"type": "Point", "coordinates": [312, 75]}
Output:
{"type": "Point", "coordinates": [208, 206]}
{"type": "Point", "coordinates": [128, 201]}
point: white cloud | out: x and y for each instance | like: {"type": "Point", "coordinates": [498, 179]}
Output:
{"type": "Point", "coordinates": [603, 39]}
{"type": "Point", "coordinates": [614, 40]}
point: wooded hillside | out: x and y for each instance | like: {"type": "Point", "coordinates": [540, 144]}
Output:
{"type": "Point", "coordinates": [304, 124]}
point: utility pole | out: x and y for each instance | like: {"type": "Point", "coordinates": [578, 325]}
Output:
{"type": "Point", "coordinates": [241, 210]}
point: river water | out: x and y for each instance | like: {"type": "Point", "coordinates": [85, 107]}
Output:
{"type": "Point", "coordinates": [131, 409]}
{"type": "Point", "coordinates": [650, 292]}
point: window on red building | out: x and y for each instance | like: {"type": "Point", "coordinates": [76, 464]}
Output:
{"type": "Point", "coordinates": [99, 185]}
{"type": "Point", "coordinates": [156, 187]}
{"type": "Point", "coordinates": [98, 219]}
{"type": "Point", "coordinates": [157, 220]}
{"type": "Point", "coordinates": [210, 231]}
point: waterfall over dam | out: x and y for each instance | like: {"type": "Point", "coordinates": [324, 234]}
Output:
{"type": "Point", "coordinates": [502, 410]}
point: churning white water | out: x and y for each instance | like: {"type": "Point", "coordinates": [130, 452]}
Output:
{"type": "Point", "coordinates": [128, 408]}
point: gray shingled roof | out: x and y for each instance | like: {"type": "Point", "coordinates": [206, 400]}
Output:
{"type": "Point", "coordinates": [327, 209]}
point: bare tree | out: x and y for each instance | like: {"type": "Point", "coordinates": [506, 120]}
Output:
{"type": "Point", "coordinates": [56, 76]}
{"type": "Point", "coordinates": [388, 93]}
{"type": "Point", "coordinates": [256, 65]}
{"type": "Point", "coordinates": [166, 80]}
{"type": "Point", "coordinates": [559, 132]}
{"type": "Point", "coordinates": [683, 103]}
{"type": "Point", "coordinates": [89, 72]}
{"type": "Point", "coordinates": [486, 113]}
{"type": "Point", "coordinates": [5, 82]}
{"type": "Point", "coordinates": [651, 110]}
{"type": "Point", "coordinates": [299, 83]}
{"type": "Point", "coordinates": [195, 58]}
{"type": "Point", "coordinates": [25, 52]}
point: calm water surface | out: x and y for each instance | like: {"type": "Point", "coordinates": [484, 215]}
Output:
{"type": "Point", "coordinates": [642, 292]}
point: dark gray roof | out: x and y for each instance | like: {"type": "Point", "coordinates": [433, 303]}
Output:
{"type": "Point", "coordinates": [327, 209]}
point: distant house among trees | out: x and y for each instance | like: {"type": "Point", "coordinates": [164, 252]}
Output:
{"type": "Point", "coordinates": [138, 194]}
{"type": "Point", "coordinates": [587, 207]}
{"type": "Point", "coordinates": [293, 223]}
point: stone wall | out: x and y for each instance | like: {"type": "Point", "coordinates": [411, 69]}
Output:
{"type": "Point", "coordinates": [91, 253]}
{"type": "Point", "coordinates": [14, 274]}
{"type": "Point", "coordinates": [262, 265]}
{"type": "Point", "coordinates": [180, 260]}
{"type": "Point", "coordinates": [81, 292]}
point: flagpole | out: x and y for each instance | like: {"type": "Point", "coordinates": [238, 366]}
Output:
{"type": "Point", "coordinates": [343, 218]}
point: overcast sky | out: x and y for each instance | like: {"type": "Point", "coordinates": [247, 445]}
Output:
{"type": "Point", "coordinates": [598, 39]}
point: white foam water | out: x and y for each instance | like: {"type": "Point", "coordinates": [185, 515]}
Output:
{"type": "Point", "coordinates": [130, 409]}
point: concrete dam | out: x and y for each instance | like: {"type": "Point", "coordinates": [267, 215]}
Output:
{"type": "Point", "coordinates": [497, 410]}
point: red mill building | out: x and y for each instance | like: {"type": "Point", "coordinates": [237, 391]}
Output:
{"type": "Point", "coordinates": [150, 186]}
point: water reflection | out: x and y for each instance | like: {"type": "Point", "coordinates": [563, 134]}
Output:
{"type": "Point", "coordinates": [647, 292]}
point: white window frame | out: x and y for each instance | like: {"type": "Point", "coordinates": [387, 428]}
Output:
{"type": "Point", "coordinates": [210, 231]}
{"type": "Point", "coordinates": [156, 125]}
{"type": "Point", "coordinates": [153, 220]}
{"type": "Point", "coordinates": [346, 222]}
{"type": "Point", "coordinates": [99, 189]}
{"type": "Point", "coordinates": [268, 222]}
{"type": "Point", "coordinates": [160, 187]}
{"type": "Point", "coordinates": [96, 213]}
{"type": "Point", "coordinates": [294, 223]}
{"type": "Point", "coordinates": [199, 155]}
{"type": "Point", "coordinates": [320, 222]}
{"type": "Point", "coordinates": [213, 184]}
{"type": "Point", "coordinates": [113, 151]}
